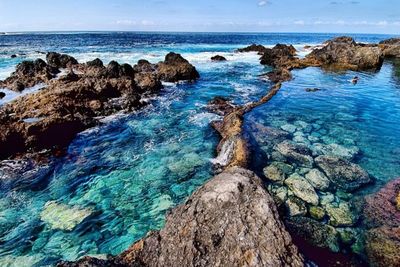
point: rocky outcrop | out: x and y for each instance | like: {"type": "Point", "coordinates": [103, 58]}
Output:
{"type": "Point", "coordinates": [278, 56]}
{"type": "Point", "coordinates": [28, 74]}
{"type": "Point", "coordinates": [345, 53]}
{"type": "Point", "coordinates": [175, 68]}
{"type": "Point", "coordinates": [253, 48]}
{"type": "Point", "coordinates": [220, 105]}
{"type": "Point", "coordinates": [382, 216]}
{"type": "Point", "coordinates": [51, 118]}
{"type": "Point", "coordinates": [218, 58]}
{"type": "Point", "coordinates": [229, 221]}
{"type": "Point", "coordinates": [391, 47]}
{"type": "Point", "coordinates": [2, 95]}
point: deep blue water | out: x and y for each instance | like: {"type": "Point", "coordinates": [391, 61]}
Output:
{"type": "Point", "coordinates": [127, 173]}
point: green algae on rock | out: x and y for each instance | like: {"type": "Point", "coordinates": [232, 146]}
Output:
{"type": "Point", "coordinates": [63, 217]}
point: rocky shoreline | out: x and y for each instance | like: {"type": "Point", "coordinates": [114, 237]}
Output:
{"type": "Point", "coordinates": [233, 219]}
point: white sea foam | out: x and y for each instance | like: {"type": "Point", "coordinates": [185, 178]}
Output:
{"type": "Point", "coordinates": [203, 119]}
{"type": "Point", "coordinates": [11, 95]}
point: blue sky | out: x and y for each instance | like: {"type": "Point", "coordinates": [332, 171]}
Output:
{"type": "Point", "coordinates": [346, 16]}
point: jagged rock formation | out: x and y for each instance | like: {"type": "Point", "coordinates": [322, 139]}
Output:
{"type": "Point", "coordinates": [229, 221]}
{"type": "Point", "coordinates": [218, 58]}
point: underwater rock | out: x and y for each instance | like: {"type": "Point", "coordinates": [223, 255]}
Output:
{"type": "Point", "coordinates": [314, 232]}
{"type": "Point", "coordinates": [302, 189]}
{"type": "Point", "coordinates": [63, 217]}
{"type": "Point", "coordinates": [318, 180]}
{"type": "Point", "coordinates": [336, 150]}
{"type": "Point", "coordinates": [381, 208]}
{"type": "Point", "coordinates": [340, 214]}
{"type": "Point", "coordinates": [382, 246]}
{"type": "Point", "coordinates": [299, 154]}
{"type": "Point", "coordinates": [229, 221]}
{"type": "Point", "coordinates": [175, 68]}
{"type": "Point", "coordinates": [342, 173]}
{"type": "Point", "coordinates": [268, 135]}
{"type": "Point", "coordinates": [290, 128]}
{"type": "Point", "coordinates": [253, 48]}
{"type": "Point", "coordinates": [277, 171]}
{"type": "Point", "coordinates": [345, 53]}
{"type": "Point", "coordinates": [317, 213]}
{"type": "Point", "coordinates": [218, 58]}
{"type": "Point", "coordinates": [327, 198]}
{"type": "Point", "coordinates": [295, 206]}
{"type": "Point", "coordinates": [312, 90]}
{"type": "Point", "coordinates": [186, 165]}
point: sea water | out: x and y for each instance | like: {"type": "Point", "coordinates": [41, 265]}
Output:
{"type": "Point", "coordinates": [123, 176]}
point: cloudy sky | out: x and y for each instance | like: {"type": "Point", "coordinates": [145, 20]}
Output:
{"type": "Point", "coordinates": [344, 16]}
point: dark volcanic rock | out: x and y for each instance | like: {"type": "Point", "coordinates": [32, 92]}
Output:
{"type": "Point", "coordinates": [176, 68]}
{"type": "Point", "coordinates": [279, 75]}
{"type": "Point", "coordinates": [391, 48]}
{"type": "Point", "coordinates": [220, 106]}
{"type": "Point", "coordinates": [95, 63]}
{"type": "Point", "coordinates": [345, 53]}
{"type": "Point", "coordinates": [2, 95]}
{"type": "Point", "coordinates": [28, 74]}
{"type": "Point", "coordinates": [278, 56]}
{"type": "Point", "coordinates": [57, 60]}
{"type": "Point", "coordinates": [253, 48]}
{"type": "Point", "coordinates": [230, 221]}
{"type": "Point", "coordinates": [218, 58]}
{"type": "Point", "coordinates": [13, 56]}
{"type": "Point", "coordinates": [144, 66]}
{"type": "Point", "coordinates": [342, 173]}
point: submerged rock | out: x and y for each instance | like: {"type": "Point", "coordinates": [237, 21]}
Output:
{"type": "Point", "coordinates": [318, 180]}
{"type": "Point", "coordinates": [63, 217]}
{"type": "Point", "coordinates": [299, 154]}
{"type": "Point", "coordinates": [302, 189]}
{"type": "Point", "coordinates": [295, 206]}
{"type": "Point", "coordinates": [277, 171]}
{"type": "Point", "coordinates": [314, 232]}
{"type": "Point", "coordinates": [342, 173]}
{"type": "Point", "coordinates": [229, 221]}
{"type": "Point", "coordinates": [317, 213]}
{"type": "Point", "coordinates": [340, 215]}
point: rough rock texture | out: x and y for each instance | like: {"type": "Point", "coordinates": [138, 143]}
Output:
{"type": "Point", "coordinates": [278, 55]}
{"type": "Point", "coordinates": [253, 48]}
{"type": "Point", "coordinates": [345, 53]}
{"type": "Point", "coordinates": [2, 95]}
{"type": "Point", "coordinates": [302, 189]}
{"type": "Point", "coordinates": [278, 75]}
{"type": "Point", "coordinates": [220, 105]}
{"type": "Point", "coordinates": [391, 47]}
{"type": "Point", "coordinates": [230, 221]}
{"type": "Point", "coordinates": [296, 153]}
{"type": "Point", "coordinates": [342, 173]}
{"type": "Point", "coordinates": [218, 58]}
{"type": "Point", "coordinates": [175, 68]}
{"type": "Point", "coordinates": [51, 118]}
{"type": "Point", "coordinates": [383, 246]}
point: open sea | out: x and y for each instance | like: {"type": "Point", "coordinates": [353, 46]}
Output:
{"type": "Point", "coordinates": [128, 172]}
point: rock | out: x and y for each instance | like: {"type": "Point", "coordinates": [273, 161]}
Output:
{"type": "Point", "coordinates": [342, 173]}
{"type": "Point", "coordinates": [345, 53]}
{"type": "Point", "coordinates": [13, 56]}
{"type": "Point", "coordinates": [218, 58]}
{"type": "Point", "coordinates": [274, 173]}
{"type": "Point", "coordinates": [144, 66]}
{"type": "Point", "coordinates": [390, 48]}
{"type": "Point", "coordinates": [267, 135]}
{"type": "Point", "coordinates": [278, 56]}
{"type": "Point", "coordinates": [220, 105]}
{"type": "Point", "coordinates": [175, 68]}
{"type": "Point", "coordinates": [336, 150]}
{"type": "Point", "coordinates": [253, 48]}
{"type": "Point", "coordinates": [278, 75]}
{"type": "Point", "coordinates": [63, 217]}
{"type": "Point", "coordinates": [381, 207]}
{"type": "Point", "coordinates": [327, 198]}
{"type": "Point", "coordinates": [295, 206]}
{"type": "Point", "coordinates": [279, 194]}
{"type": "Point", "coordinates": [302, 189]}
{"type": "Point", "coordinates": [312, 90]}
{"type": "Point", "coordinates": [95, 63]}
{"type": "Point", "coordinates": [317, 213]}
{"type": "Point", "coordinates": [296, 153]}
{"type": "Point", "coordinates": [28, 74]}
{"type": "Point", "coordinates": [382, 246]}
{"type": "Point", "coordinates": [229, 221]}
{"type": "Point", "coordinates": [289, 128]}
{"type": "Point", "coordinates": [340, 215]}
{"type": "Point", "coordinates": [314, 232]}
{"type": "Point", "coordinates": [2, 95]}
{"type": "Point", "coordinates": [148, 82]}
{"type": "Point", "coordinates": [57, 60]}
{"type": "Point", "coordinates": [318, 180]}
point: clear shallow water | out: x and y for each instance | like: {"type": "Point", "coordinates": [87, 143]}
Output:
{"type": "Point", "coordinates": [126, 174]}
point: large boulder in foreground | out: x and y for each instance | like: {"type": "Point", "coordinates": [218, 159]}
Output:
{"type": "Point", "coordinates": [382, 210]}
{"type": "Point", "coordinates": [345, 53]}
{"type": "Point", "coordinates": [175, 68]}
{"type": "Point", "coordinates": [230, 221]}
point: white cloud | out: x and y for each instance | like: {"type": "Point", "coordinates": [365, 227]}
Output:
{"type": "Point", "coordinates": [299, 22]}
{"type": "Point", "coordinates": [148, 23]}
{"type": "Point", "coordinates": [262, 3]}
{"type": "Point", "coordinates": [126, 22]}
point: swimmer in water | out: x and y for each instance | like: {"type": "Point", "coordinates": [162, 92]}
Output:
{"type": "Point", "coordinates": [355, 80]}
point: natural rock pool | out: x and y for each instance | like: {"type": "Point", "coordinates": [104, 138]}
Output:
{"type": "Point", "coordinates": [118, 180]}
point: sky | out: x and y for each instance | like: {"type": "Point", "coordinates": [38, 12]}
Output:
{"type": "Point", "coordinates": [339, 16]}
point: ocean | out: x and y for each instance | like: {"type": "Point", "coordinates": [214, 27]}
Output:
{"type": "Point", "coordinates": [128, 172]}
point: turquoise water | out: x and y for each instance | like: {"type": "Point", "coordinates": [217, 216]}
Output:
{"type": "Point", "coordinates": [122, 177]}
